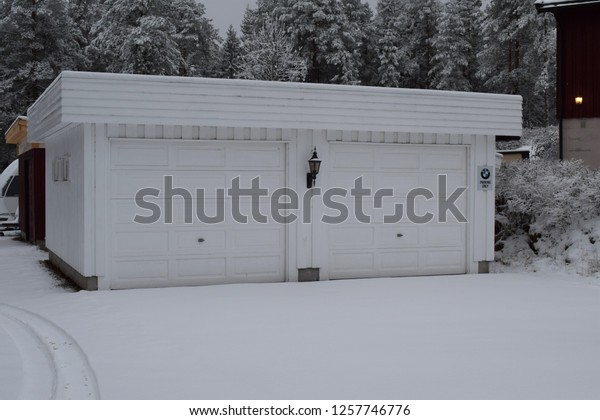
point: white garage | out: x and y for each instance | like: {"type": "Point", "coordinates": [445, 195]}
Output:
{"type": "Point", "coordinates": [141, 167]}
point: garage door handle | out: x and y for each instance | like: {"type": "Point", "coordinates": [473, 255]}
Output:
{"type": "Point", "coordinates": [201, 240]}
{"type": "Point", "coordinates": [400, 235]}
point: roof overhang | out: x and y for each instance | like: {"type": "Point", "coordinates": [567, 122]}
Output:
{"type": "Point", "coordinates": [558, 5]}
{"type": "Point", "coordinates": [17, 132]}
{"type": "Point", "coordinates": [103, 98]}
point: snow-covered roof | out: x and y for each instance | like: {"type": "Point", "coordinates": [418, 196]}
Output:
{"type": "Point", "coordinates": [519, 150]}
{"type": "Point", "coordinates": [15, 123]}
{"type": "Point", "coordinates": [102, 98]}
{"type": "Point", "coordinates": [550, 5]}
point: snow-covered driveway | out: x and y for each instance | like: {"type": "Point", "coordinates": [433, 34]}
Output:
{"type": "Point", "coordinates": [496, 336]}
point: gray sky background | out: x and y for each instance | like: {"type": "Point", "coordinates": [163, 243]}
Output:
{"type": "Point", "coordinates": [230, 12]}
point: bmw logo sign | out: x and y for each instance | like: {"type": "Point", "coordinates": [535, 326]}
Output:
{"type": "Point", "coordinates": [486, 173]}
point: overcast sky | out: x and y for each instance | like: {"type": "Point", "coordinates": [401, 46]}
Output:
{"type": "Point", "coordinates": [230, 12]}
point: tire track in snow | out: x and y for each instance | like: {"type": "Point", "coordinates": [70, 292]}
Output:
{"type": "Point", "coordinates": [54, 365]}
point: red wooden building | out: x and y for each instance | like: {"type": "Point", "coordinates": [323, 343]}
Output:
{"type": "Point", "coordinates": [32, 188]}
{"type": "Point", "coordinates": [578, 58]}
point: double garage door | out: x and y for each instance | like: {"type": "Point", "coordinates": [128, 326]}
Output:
{"type": "Point", "coordinates": [190, 252]}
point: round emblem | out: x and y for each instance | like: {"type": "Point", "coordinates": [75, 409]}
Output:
{"type": "Point", "coordinates": [486, 174]}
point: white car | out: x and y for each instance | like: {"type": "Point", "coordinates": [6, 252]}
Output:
{"type": "Point", "coordinates": [9, 192]}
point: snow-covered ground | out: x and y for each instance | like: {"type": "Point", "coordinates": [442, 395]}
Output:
{"type": "Point", "coordinates": [500, 336]}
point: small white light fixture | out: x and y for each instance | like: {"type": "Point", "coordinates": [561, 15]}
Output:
{"type": "Point", "coordinates": [315, 166]}
{"type": "Point", "coordinates": [579, 100]}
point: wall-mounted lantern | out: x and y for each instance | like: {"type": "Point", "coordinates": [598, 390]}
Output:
{"type": "Point", "coordinates": [579, 100]}
{"type": "Point", "coordinates": [315, 166]}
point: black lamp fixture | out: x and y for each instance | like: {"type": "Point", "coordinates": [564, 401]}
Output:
{"type": "Point", "coordinates": [315, 166]}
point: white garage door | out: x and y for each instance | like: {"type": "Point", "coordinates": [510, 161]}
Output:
{"type": "Point", "coordinates": [182, 254]}
{"type": "Point", "coordinates": [401, 249]}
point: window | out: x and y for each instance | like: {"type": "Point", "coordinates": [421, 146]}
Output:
{"type": "Point", "coordinates": [11, 188]}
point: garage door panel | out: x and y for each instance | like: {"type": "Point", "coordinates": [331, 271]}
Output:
{"type": "Point", "coordinates": [194, 157]}
{"type": "Point", "coordinates": [401, 183]}
{"type": "Point", "coordinates": [126, 184]}
{"type": "Point", "coordinates": [352, 264]}
{"type": "Point", "coordinates": [140, 273]}
{"type": "Point", "coordinates": [128, 156]}
{"type": "Point", "coordinates": [353, 159]}
{"type": "Point", "coordinates": [261, 238]}
{"type": "Point", "coordinates": [397, 236]}
{"type": "Point", "coordinates": [353, 237]}
{"type": "Point", "coordinates": [199, 241]}
{"type": "Point", "coordinates": [431, 181]}
{"type": "Point", "coordinates": [439, 262]}
{"type": "Point", "coordinates": [450, 160]}
{"type": "Point", "coordinates": [433, 207]}
{"type": "Point", "coordinates": [256, 158]}
{"type": "Point", "coordinates": [398, 161]}
{"type": "Point", "coordinates": [446, 235]}
{"type": "Point", "coordinates": [391, 263]}
{"type": "Point", "coordinates": [201, 268]}
{"type": "Point", "coordinates": [345, 180]}
{"type": "Point", "coordinates": [254, 266]}
{"type": "Point", "coordinates": [141, 242]}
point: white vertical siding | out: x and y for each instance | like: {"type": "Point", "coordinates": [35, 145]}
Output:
{"type": "Point", "coordinates": [65, 203]}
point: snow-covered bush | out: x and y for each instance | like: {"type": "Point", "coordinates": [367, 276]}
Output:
{"type": "Point", "coordinates": [548, 195]}
{"type": "Point", "coordinates": [548, 209]}
{"type": "Point", "coordinates": [544, 142]}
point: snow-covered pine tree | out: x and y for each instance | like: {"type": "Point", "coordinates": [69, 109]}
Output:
{"type": "Point", "coordinates": [508, 31]}
{"type": "Point", "coordinates": [542, 110]}
{"type": "Point", "coordinates": [154, 37]}
{"type": "Point", "coordinates": [421, 32]}
{"type": "Point", "coordinates": [84, 14]}
{"type": "Point", "coordinates": [457, 44]}
{"type": "Point", "coordinates": [231, 53]}
{"type": "Point", "coordinates": [254, 19]}
{"type": "Point", "coordinates": [36, 45]}
{"type": "Point", "coordinates": [510, 59]}
{"type": "Point", "coordinates": [134, 36]}
{"type": "Point", "coordinates": [196, 38]}
{"type": "Point", "coordinates": [395, 65]}
{"type": "Point", "coordinates": [326, 37]}
{"type": "Point", "coordinates": [360, 17]}
{"type": "Point", "coordinates": [270, 54]}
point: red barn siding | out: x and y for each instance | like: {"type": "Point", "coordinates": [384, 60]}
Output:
{"type": "Point", "coordinates": [32, 194]}
{"type": "Point", "coordinates": [579, 62]}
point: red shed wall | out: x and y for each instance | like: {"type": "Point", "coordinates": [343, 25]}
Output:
{"type": "Point", "coordinates": [32, 194]}
{"type": "Point", "coordinates": [579, 62]}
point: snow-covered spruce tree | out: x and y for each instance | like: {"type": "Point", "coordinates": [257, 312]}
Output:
{"type": "Point", "coordinates": [421, 33]}
{"type": "Point", "coordinates": [154, 37]}
{"type": "Point", "coordinates": [231, 53]}
{"type": "Point", "coordinates": [395, 65]}
{"type": "Point", "coordinates": [541, 109]}
{"type": "Point", "coordinates": [456, 45]}
{"type": "Point", "coordinates": [84, 14]}
{"type": "Point", "coordinates": [270, 54]}
{"type": "Point", "coordinates": [36, 44]}
{"type": "Point", "coordinates": [360, 17]}
{"type": "Point", "coordinates": [518, 56]}
{"type": "Point", "coordinates": [196, 37]}
{"type": "Point", "coordinates": [254, 19]}
{"type": "Point", "coordinates": [327, 38]}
